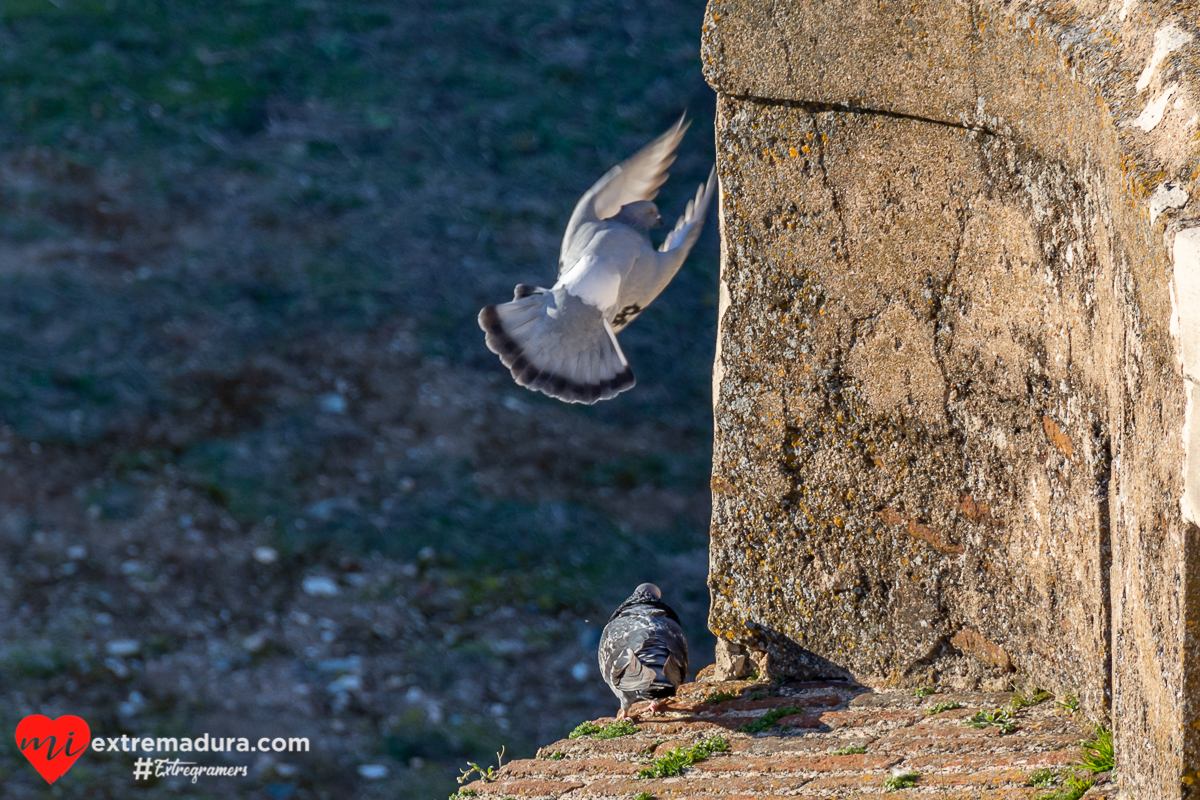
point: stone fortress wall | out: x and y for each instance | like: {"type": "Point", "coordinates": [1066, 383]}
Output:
{"type": "Point", "coordinates": [956, 379]}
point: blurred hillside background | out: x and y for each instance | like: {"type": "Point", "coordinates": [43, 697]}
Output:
{"type": "Point", "coordinates": [258, 473]}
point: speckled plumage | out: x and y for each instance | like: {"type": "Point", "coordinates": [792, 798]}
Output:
{"type": "Point", "coordinates": [643, 653]}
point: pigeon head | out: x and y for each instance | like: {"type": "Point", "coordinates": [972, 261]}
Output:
{"type": "Point", "coordinates": [642, 214]}
{"type": "Point", "coordinates": [646, 596]}
{"type": "Point", "coordinates": [645, 593]}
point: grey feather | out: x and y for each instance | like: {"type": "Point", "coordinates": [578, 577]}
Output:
{"type": "Point", "coordinates": [643, 653]}
{"type": "Point", "coordinates": [562, 341]}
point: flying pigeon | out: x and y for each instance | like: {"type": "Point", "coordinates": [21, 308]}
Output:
{"type": "Point", "coordinates": [643, 653]}
{"type": "Point", "coordinates": [562, 341]}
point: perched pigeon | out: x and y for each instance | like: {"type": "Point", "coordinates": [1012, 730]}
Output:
{"type": "Point", "coordinates": [643, 653]}
{"type": "Point", "coordinates": [562, 341]}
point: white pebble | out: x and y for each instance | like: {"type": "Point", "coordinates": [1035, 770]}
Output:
{"type": "Point", "coordinates": [266, 555]}
{"type": "Point", "coordinates": [123, 648]}
{"type": "Point", "coordinates": [319, 586]}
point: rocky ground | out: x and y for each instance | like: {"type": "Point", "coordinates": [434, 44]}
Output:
{"type": "Point", "coordinates": [259, 474]}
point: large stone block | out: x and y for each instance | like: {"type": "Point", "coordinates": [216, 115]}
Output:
{"type": "Point", "coordinates": [959, 343]}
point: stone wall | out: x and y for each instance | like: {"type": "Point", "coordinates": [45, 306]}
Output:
{"type": "Point", "coordinates": [959, 339]}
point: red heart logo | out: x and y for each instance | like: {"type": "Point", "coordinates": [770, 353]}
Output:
{"type": "Point", "coordinates": [51, 744]}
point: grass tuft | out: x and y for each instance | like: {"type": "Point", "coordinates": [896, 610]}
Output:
{"type": "Point", "coordinates": [1070, 703]}
{"type": "Point", "coordinates": [949, 705]}
{"type": "Point", "coordinates": [924, 691]}
{"type": "Point", "coordinates": [674, 762]}
{"type": "Point", "coordinates": [613, 730]}
{"type": "Point", "coordinates": [1021, 700]}
{"type": "Point", "coordinates": [768, 720]}
{"type": "Point", "coordinates": [643, 796]}
{"type": "Point", "coordinates": [1097, 752]}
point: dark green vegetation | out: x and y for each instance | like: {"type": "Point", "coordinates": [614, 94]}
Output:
{"type": "Point", "coordinates": [242, 247]}
{"type": "Point", "coordinates": [674, 762]}
{"type": "Point", "coordinates": [949, 705]}
{"type": "Point", "coordinates": [767, 721]}
{"type": "Point", "coordinates": [613, 730]}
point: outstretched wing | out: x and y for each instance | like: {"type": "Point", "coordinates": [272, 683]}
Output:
{"type": "Point", "coordinates": [638, 177]}
{"type": "Point", "coordinates": [683, 236]}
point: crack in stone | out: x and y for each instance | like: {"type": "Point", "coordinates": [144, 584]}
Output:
{"type": "Point", "coordinates": [815, 107]}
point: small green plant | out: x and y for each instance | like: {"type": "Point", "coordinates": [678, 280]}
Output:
{"type": "Point", "coordinates": [924, 691]}
{"type": "Point", "coordinates": [949, 705]}
{"type": "Point", "coordinates": [1000, 717]}
{"type": "Point", "coordinates": [768, 720]}
{"type": "Point", "coordinates": [720, 697]}
{"type": "Point", "coordinates": [849, 750]}
{"type": "Point", "coordinates": [613, 730]}
{"type": "Point", "coordinates": [486, 775]}
{"type": "Point", "coordinates": [1097, 752]}
{"type": "Point", "coordinates": [1070, 703]}
{"type": "Point", "coordinates": [674, 762]}
{"type": "Point", "coordinates": [1041, 778]}
{"type": "Point", "coordinates": [901, 780]}
{"type": "Point", "coordinates": [461, 793]}
{"type": "Point", "coordinates": [557, 755]}
{"type": "Point", "coordinates": [1072, 789]}
{"type": "Point", "coordinates": [1021, 700]}
{"type": "Point", "coordinates": [643, 796]}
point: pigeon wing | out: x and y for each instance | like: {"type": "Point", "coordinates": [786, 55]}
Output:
{"type": "Point", "coordinates": [676, 666]}
{"type": "Point", "coordinates": [630, 674]}
{"type": "Point", "coordinates": [621, 639]}
{"type": "Point", "coordinates": [638, 177]}
{"type": "Point", "coordinates": [687, 228]}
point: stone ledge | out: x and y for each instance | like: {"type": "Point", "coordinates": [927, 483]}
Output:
{"type": "Point", "coordinates": [797, 762]}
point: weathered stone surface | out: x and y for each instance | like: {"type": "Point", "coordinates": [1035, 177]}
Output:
{"type": "Point", "coordinates": [955, 761]}
{"type": "Point", "coordinates": [958, 352]}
